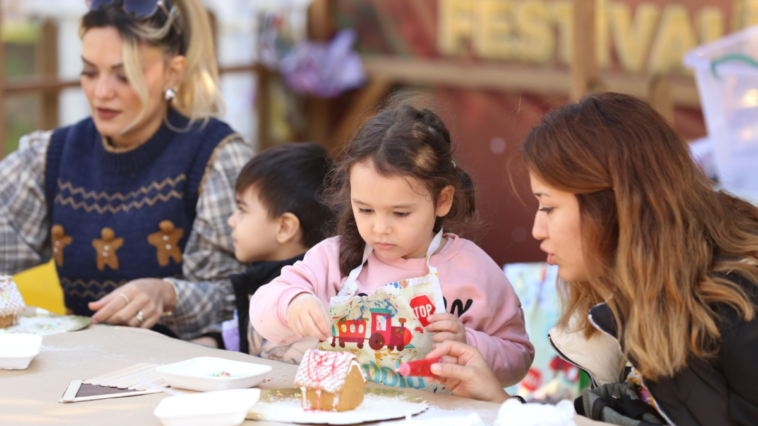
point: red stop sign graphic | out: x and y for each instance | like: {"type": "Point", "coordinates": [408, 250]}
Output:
{"type": "Point", "coordinates": [422, 307]}
{"type": "Point", "coordinates": [533, 380]}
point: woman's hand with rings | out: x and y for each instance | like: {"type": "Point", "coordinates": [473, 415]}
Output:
{"type": "Point", "coordinates": [144, 299]}
{"type": "Point", "coordinates": [125, 297]}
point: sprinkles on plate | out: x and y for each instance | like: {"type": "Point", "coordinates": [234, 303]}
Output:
{"type": "Point", "coordinates": [223, 374]}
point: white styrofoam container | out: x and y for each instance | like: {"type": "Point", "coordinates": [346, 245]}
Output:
{"type": "Point", "coordinates": [726, 72]}
{"type": "Point", "coordinates": [223, 408]}
{"type": "Point", "coordinates": [17, 350]}
{"type": "Point", "coordinates": [198, 374]}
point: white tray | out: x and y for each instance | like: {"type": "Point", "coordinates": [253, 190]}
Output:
{"type": "Point", "coordinates": [201, 374]}
{"type": "Point", "coordinates": [224, 408]}
{"type": "Point", "coordinates": [17, 350]}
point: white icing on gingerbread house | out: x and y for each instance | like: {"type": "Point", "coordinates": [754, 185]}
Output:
{"type": "Point", "coordinates": [327, 371]}
{"type": "Point", "coordinates": [11, 302]}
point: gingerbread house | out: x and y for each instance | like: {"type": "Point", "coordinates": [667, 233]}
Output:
{"type": "Point", "coordinates": [330, 381]}
{"type": "Point", "coordinates": [11, 303]}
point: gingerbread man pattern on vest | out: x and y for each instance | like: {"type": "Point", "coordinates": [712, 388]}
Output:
{"type": "Point", "coordinates": [60, 242]}
{"type": "Point", "coordinates": [106, 249]}
{"type": "Point", "coordinates": [167, 242]}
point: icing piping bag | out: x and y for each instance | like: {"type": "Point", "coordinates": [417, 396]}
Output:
{"type": "Point", "coordinates": [419, 368]}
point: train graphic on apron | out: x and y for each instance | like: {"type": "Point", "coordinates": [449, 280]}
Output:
{"type": "Point", "coordinates": [383, 333]}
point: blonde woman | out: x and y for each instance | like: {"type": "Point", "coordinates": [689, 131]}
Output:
{"type": "Point", "coordinates": [132, 202]}
{"type": "Point", "coordinates": [658, 271]}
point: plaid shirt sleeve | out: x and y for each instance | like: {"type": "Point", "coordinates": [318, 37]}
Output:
{"type": "Point", "coordinates": [205, 295]}
{"type": "Point", "coordinates": [24, 225]}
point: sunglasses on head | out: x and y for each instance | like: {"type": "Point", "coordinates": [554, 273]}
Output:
{"type": "Point", "coordinates": [140, 9]}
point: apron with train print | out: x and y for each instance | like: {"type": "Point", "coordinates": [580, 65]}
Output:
{"type": "Point", "coordinates": [387, 327]}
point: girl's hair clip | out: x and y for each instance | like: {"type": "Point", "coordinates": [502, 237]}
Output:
{"type": "Point", "coordinates": [454, 166]}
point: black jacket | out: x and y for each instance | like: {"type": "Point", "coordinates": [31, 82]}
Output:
{"type": "Point", "coordinates": [719, 391]}
{"type": "Point", "coordinates": [245, 285]}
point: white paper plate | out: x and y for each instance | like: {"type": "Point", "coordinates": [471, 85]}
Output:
{"type": "Point", "coordinates": [284, 405]}
{"type": "Point", "coordinates": [17, 350]}
{"type": "Point", "coordinates": [224, 408]}
{"type": "Point", "coordinates": [213, 374]}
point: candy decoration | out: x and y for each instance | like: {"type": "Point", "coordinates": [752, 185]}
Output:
{"type": "Point", "coordinates": [11, 303]}
{"type": "Point", "coordinates": [224, 374]}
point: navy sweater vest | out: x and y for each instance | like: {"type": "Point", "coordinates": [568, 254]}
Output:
{"type": "Point", "coordinates": [116, 217]}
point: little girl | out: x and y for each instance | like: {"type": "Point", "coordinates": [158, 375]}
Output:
{"type": "Point", "coordinates": [396, 189]}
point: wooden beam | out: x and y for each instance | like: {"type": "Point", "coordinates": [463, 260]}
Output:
{"type": "Point", "coordinates": [241, 69]}
{"type": "Point", "coordinates": [446, 72]}
{"type": "Point", "coordinates": [41, 84]}
{"type": "Point", "coordinates": [368, 98]}
{"type": "Point", "coordinates": [25, 85]}
{"type": "Point", "coordinates": [46, 52]}
{"type": "Point", "coordinates": [507, 77]}
{"type": "Point", "coordinates": [584, 70]}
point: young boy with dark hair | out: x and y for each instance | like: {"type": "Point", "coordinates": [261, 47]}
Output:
{"type": "Point", "coordinates": [279, 217]}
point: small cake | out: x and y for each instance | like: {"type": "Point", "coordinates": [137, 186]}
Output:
{"type": "Point", "coordinates": [11, 303]}
{"type": "Point", "coordinates": [330, 381]}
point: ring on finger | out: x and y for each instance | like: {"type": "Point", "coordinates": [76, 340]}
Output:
{"type": "Point", "coordinates": [125, 297]}
{"type": "Point", "coordinates": [140, 317]}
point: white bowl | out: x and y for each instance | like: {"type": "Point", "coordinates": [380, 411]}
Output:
{"type": "Point", "coordinates": [202, 374]}
{"type": "Point", "coordinates": [17, 350]}
{"type": "Point", "coordinates": [224, 408]}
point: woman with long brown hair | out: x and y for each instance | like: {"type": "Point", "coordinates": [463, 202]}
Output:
{"type": "Point", "coordinates": [657, 270]}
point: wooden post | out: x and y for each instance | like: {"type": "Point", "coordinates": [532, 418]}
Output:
{"type": "Point", "coordinates": [370, 96]}
{"type": "Point", "coordinates": [584, 70]}
{"type": "Point", "coordinates": [319, 111]}
{"type": "Point", "coordinates": [320, 20]}
{"type": "Point", "coordinates": [262, 105]}
{"type": "Point", "coordinates": [2, 92]}
{"type": "Point", "coordinates": [661, 97]}
{"type": "Point", "coordinates": [47, 67]}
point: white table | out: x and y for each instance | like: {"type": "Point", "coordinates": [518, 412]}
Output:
{"type": "Point", "coordinates": [30, 397]}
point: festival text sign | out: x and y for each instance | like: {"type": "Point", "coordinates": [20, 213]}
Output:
{"type": "Point", "coordinates": [647, 38]}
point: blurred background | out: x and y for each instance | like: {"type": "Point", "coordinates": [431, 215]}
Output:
{"type": "Point", "coordinates": [314, 70]}
{"type": "Point", "coordinates": [492, 67]}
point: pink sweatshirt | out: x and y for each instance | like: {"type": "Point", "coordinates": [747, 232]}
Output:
{"type": "Point", "coordinates": [471, 282]}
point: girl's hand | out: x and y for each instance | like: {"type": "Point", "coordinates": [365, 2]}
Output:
{"type": "Point", "coordinates": [465, 372]}
{"type": "Point", "coordinates": [150, 296]}
{"type": "Point", "coordinates": [446, 327]}
{"type": "Point", "coordinates": [307, 317]}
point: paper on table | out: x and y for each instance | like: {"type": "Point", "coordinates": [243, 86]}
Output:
{"type": "Point", "coordinates": [116, 384]}
{"type": "Point", "coordinates": [78, 392]}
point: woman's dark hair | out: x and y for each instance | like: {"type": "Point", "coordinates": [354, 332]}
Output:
{"type": "Point", "coordinates": [404, 141]}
